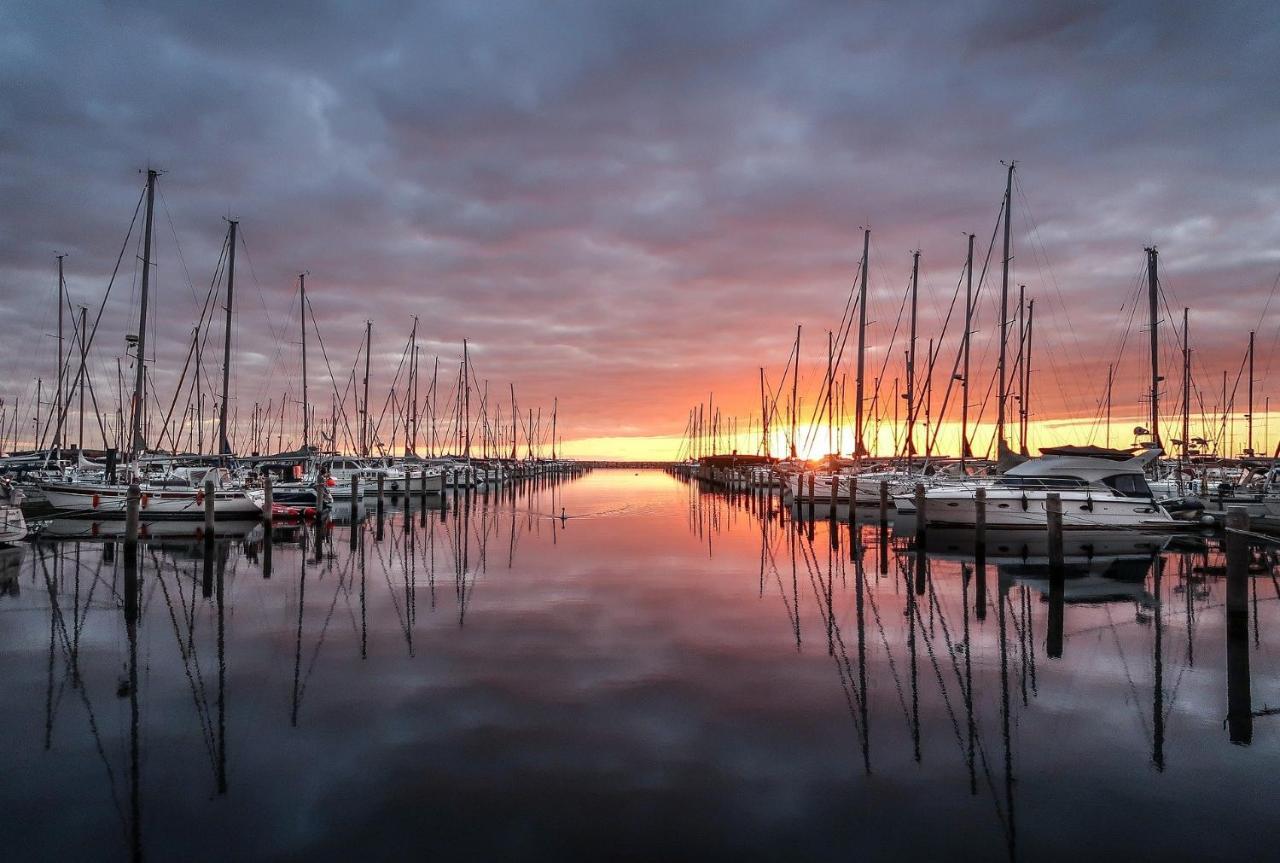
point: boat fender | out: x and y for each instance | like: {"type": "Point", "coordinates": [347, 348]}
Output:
{"type": "Point", "coordinates": [1088, 503]}
{"type": "Point", "coordinates": [146, 498]}
{"type": "Point", "coordinates": [199, 498]}
{"type": "Point", "coordinates": [1024, 501]}
{"type": "Point", "coordinates": [97, 499]}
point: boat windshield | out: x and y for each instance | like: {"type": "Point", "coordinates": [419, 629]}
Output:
{"type": "Point", "coordinates": [1129, 485]}
{"type": "Point", "coordinates": [1048, 483]}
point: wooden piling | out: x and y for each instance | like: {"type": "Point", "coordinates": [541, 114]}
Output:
{"type": "Point", "coordinates": [884, 504]}
{"type": "Point", "coordinates": [382, 491]}
{"type": "Point", "coordinates": [209, 502]}
{"type": "Point", "coordinates": [319, 492]}
{"type": "Point", "coordinates": [1239, 695]}
{"type": "Point", "coordinates": [1057, 576]}
{"type": "Point", "coordinates": [1053, 519]}
{"type": "Point", "coordinates": [355, 498]}
{"type": "Point", "coordinates": [835, 494]}
{"type": "Point", "coordinates": [133, 504]}
{"type": "Point", "coordinates": [267, 501]}
{"type": "Point", "coordinates": [980, 523]}
{"type": "Point", "coordinates": [922, 514]}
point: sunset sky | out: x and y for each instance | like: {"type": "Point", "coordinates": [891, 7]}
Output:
{"type": "Point", "coordinates": [630, 206]}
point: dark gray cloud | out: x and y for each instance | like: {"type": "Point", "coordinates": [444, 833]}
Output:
{"type": "Point", "coordinates": [629, 205]}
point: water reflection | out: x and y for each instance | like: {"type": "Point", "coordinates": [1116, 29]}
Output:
{"type": "Point", "coordinates": [1133, 606]}
{"type": "Point", "coordinates": [561, 667]}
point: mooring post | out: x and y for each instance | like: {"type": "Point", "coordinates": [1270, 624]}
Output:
{"type": "Point", "coordinates": [1057, 579]}
{"type": "Point", "coordinates": [320, 486]}
{"type": "Point", "coordinates": [884, 505]}
{"type": "Point", "coordinates": [355, 498]}
{"type": "Point", "coordinates": [1053, 520]}
{"type": "Point", "coordinates": [835, 494]}
{"type": "Point", "coordinates": [209, 502]}
{"type": "Point", "coordinates": [133, 503]}
{"type": "Point", "coordinates": [922, 515]}
{"type": "Point", "coordinates": [980, 523]}
{"type": "Point", "coordinates": [267, 501]}
{"type": "Point", "coordinates": [1239, 695]}
{"type": "Point", "coordinates": [813, 484]}
{"type": "Point", "coordinates": [382, 491]}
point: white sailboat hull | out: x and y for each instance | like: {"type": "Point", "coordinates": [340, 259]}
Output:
{"type": "Point", "coordinates": [13, 527]}
{"type": "Point", "coordinates": [108, 501]}
{"type": "Point", "coordinates": [1013, 509]}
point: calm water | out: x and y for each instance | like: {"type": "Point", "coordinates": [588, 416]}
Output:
{"type": "Point", "coordinates": [663, 674]}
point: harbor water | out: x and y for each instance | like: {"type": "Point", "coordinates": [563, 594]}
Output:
{"type": "Point", "coordinates": [627, 666]}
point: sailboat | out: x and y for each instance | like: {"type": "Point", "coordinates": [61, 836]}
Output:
{"type": "Point", "coordinates": [1099, 489]}
{"type": "Point", "coordinates": [13, 527]}
{"type": "Point", "coordinates": [160, 498]}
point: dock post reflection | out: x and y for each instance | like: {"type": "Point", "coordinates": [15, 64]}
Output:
{"type": "Point", "coordinates": [1057, 577]}
{"type": "Point", "coordinates": [132, 604]}
{"type": "Point", "coordinates": [1239, 695]}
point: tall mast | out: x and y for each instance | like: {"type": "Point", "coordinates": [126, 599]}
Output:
{"type": "Point", "coordinates": [224, 445]}
{"type": "Point", "coordinates": [831, 394]}
{"type": "Point", "coordinates": [1153, 289]}
{"type": "Point", "coordinates": [514, 419]}
{"type": "Point", "coordinates": [57, 434]}
{"type": "Point", "coordinates": [764, 416]}
{"type": "Point", "coordinates": [1111, 367]}
{"type": "Point", "coordinates": [1026, 377]}
{"type": "Point", "coordinates": [859, 447]}
{"type": "Point", "coordinates": [364, 419]}
{"type": "Point", "coordinates": [466, 382]}
{"type": "Point", "coordinates": [1020, 364]}
{"type": "Point", "coordinates": [1002, 445]}
{"type": "Point", "coordinates": [1249, 415]}
{"type": "Point", "coordinates": [84, 347]}
{"type": "Point", "coordinates": [928, 403]}
{"type": "Point", "coordinates": [1186, 387]}
{"type": "Point", "coordinates": [306, 407]}
{"type": "Point", "coordinates": [910, 444]}
{"type": "Point", "coordinates": [964, 382]}
{"type": "Point", "coordinates": [795, 388]}
{"type": "Point", "coordinates": [555, 406]}
{"type": "Point", "coordinates": [139, 381]}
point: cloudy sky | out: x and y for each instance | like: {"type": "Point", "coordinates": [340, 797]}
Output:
{"type": "Point", "coordinates": [629, 206]}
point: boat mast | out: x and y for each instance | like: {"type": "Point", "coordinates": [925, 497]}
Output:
{"type": "Point", "coordinates": [910, 444]}
{"type": "Point", "coordinates": [964, 381]}
{"type": "Point", "coordinates": [57, 434]}
{"type": "Point", "coordinates": [139, 381]}
{"type": "Point", "coordinates": [1026, 376]}
{"type": "Point", "coordinates": [1186, 391]}
{"type": "Point", "coordinates": [84, 348]}
{"type": "Point", "coordinates": [859, 447]}
{"type": "Point", "coordinates": [1248, 417]}
{"type": "Point", "coordinates": [1002, 445]}
{"type": "Point", "coordinates": [831, 418]}
{"type": "Point", "coordinates": [515, 418]}
{"type": "Point", "coordinates": [795, 388]}
{"type": "Point", "coordinates": [364, 420]}
{"type": "Point", "coordinates": [1110, 375]}
{"type": "Point", "coordinates": [1018, 366]}
{"type": "Point", "coordinates": [1152, 298]}
{"type": "Point", "coordinates": [306, 408]}
{"type": "Point", "coordinates": [224, 446]}
{"type": "Point", "coordinates": [764, 416]}
{"type": "Point", "coordinates": [466, 383]}
{"type": "Point", "coordinates": [555, 406]}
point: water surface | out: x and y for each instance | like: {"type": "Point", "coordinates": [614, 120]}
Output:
{"type": "Point", "coordinates": [663, 672]}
